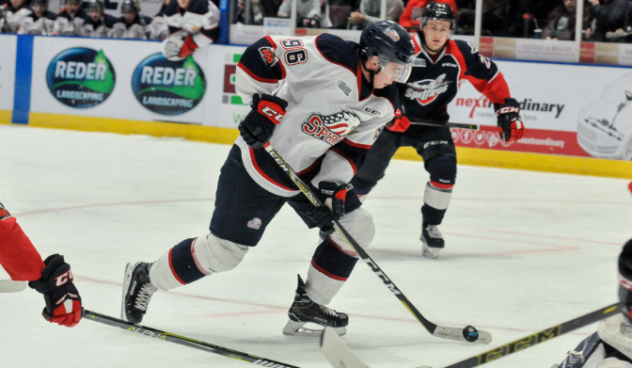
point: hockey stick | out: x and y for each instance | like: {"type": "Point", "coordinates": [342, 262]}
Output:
{"type": "Point", "coordinates": [439, 124]}
{"type": "Point", "coordinates": [10, 286]}
{"type": "Point", "coordinates": [536, 338]}
{"type": "Point", "coordinates": [181, 340]}
{"type": "Point", "coordinates": [339, 355]}
{"type": "Point", "coordinates": [467, 334]}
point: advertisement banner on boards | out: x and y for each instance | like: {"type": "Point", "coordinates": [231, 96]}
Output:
{"type": "Point", "coordinates": [8, 45]}
{"type": "Point", "coordinates": [567, 109]}
{"type": "Point", "coordinates": [116, 79]}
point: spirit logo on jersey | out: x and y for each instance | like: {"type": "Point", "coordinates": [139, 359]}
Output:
{"type": "Point", "coordinates": [268, 56]}
{"type": "Point", "coordinates": [331, 128]}
{"type": "Point", "coordinates": [427, 90]}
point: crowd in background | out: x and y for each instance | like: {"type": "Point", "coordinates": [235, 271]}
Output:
{"type": "Point", "coordinates": [77, 18]}
{"type": "Point", "coordinates": [603, 20]}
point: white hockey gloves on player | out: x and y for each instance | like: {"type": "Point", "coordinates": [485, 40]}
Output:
{"type": "Point", "coordinates": [258, 126]}
{"type": "Point", "coordinates": [509, 119]}
{"type": "Point", "coordinates": [178, 46]}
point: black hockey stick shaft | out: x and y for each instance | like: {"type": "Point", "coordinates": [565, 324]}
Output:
{"type": "Point", "coordinates": [186, 341]}
{"type": "Point", "coordinates": [441, 124]}
{"type": "Point", "coordinates": [536, 338]}
{"type": "Point", "coordinates": [431, 327]}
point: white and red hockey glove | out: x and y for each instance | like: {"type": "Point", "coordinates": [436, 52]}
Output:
{"type": "Point", "coordinates": [63, 303]}
{"type": "Point", "coordinates": [258, 126]}
{"type": "Point", "coordinates": [178, 46]}
{"type": "Point", "coordinates": [399, 124]}
{"type": "Point", "coordinates": [508, 116]}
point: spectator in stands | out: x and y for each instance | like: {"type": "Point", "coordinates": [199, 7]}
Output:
{"type": "Point", "coordinates": [369, 12]}
{"type": "Point", "coordinates": [15, 11]}
{"type": "Point", "coordinates": [132, 24]}
{"type": "Point", "coordinates": [40, 21]}
{"type": "Point", "coordinates": [613, 20]}
{"type": "Point", "coordinates": [310, 13]}
{"type": "Point", "coordinates": [2, 19]}
{"type": "Point", "coordinates": [158, 29]}
{"type": "Point", "coordinates": [69, 19]}
{"type": "Point", "coordinates": [561, 22]}
{"type": "Point", "coordinates": [411, 17]}
{"type": "Point", "coordinates": [260, 9]}
{"type": "Point", "coordinates": [96, 23]}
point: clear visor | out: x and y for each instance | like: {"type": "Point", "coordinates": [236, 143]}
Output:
{"type": "Point", "coordinates": [398, 72]}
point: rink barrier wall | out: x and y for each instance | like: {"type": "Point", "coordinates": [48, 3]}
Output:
{"type": "Point", "coordinates": [34, 104]}
{"type": "Point", "coordinates": [466, 155]}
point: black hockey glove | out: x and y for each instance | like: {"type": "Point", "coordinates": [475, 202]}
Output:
{"type": "Point", "coordinates": [333, 197]}
{"type": "Point", "coordinates": [509, 119]}
{"type": "Point", "coordinates": [63, 303]}
{"type": "Point", "coordinates": [258, 126]}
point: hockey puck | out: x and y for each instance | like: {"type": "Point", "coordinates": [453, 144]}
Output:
{"type": "Point", "coordinates": [470, 333]}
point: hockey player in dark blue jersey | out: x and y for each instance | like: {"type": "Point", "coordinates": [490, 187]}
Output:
{"type": "Point", "coordinates": [321, 102]}
{"type": "Point", "coordinates": [438, 69]}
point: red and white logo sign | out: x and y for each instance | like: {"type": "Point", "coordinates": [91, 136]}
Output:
{"type": "Point", "coordinates": [427, 90]}
{"type": "Point", "coordinates": [331, 128]}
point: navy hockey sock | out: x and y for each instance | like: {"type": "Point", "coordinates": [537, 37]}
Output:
{"type": "Point", "coordinates": [331, 261]}
{"type": "Point", "coordinates": [182, 263]}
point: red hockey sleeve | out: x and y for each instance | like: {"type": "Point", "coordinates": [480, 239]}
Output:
{"type": "Point", "coordinates": [496, 90]}
{"type": "Point", "coordinates": [18, 256]}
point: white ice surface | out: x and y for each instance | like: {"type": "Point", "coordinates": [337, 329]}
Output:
{"type": "Point", "coordinates": [525, 251]}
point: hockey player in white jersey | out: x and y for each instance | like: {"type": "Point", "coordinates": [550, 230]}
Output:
{"type": "Point", "coordinates": [321, 102]}
{"type": "Point", "coordinates": [40, 21]}
{"type": "Point", "coordinates": [132, 25]}
{"type": "Point", "coordinates": [96, 22]}
{"type": "Point", "coordinates": [15, 11]}
{"type": "Point", "coordinates": [611, 345]}
{"type": "Point", "coordinates": [192, 24]}
{"type": "Point", "coordinates": [69, 19]}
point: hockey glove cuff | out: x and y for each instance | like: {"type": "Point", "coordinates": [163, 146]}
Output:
{"type": "Point", "coordinates": [399, 124]}
{"type": "Point", "coordinates": [258, 126]}
{"type": "Point", "coordinates": [509, 120]}
{"type": "Point", "coordinates": [63, 303]}
{"type": "Point", "coordinates": [333, 197]}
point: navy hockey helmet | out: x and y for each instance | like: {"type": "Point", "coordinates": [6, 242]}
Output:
{"type": "Point", "coordinates": [390, 42]}
{"type": "Point", "coordinates": [94, 5]}
{"type": "Point", "coordinates": [438, 11]}
{"type": "Point", "coordinates": [130, 6]}
{"type": "Point", "coordinates": [625, 280]}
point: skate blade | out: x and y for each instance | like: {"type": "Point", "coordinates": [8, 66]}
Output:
{"type": "Point", "coordinates": [293, 328]}
{"type": "Point", "coordinates": [432, 253]}
{"type": "Point", "coordinates": [127, 278]}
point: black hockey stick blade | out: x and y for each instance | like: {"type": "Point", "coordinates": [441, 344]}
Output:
{"type": "Point", "coordinates": [186, 341]}
{"type": "Point", "coordinates": [467, 334]}
{"type": "Point", "coordinates": [536, 338]}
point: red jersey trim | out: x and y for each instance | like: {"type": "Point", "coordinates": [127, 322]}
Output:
{"type": "Point", "coordinates": [256, 77]}
{"type": "Point", "coordinates": [339, 152]}
{"type": "Point", "coordinates": [357, 145]}
{"type": "Point", "coordinates": [333, 62]}
{"type": "Point", "coordinates": [269, 179]}
{"type": "Point", "coordinates": [441, 185]}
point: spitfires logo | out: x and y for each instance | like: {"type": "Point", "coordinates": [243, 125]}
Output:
{"type": "Point", "coordinates": [268, 56]}
{"type": "Point", "coordinates": [80, 77]}
{"type": "Point", "coordinates": [332, 128]}
{"type": "Point", "coordinates": [392, 34]}
{"type": "Point", "coordinates": [168, 87]}
{"type": "Point", "coordinates": [427, 90]}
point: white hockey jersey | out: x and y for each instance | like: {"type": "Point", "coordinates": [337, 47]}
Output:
{"type": "Point", "coordinates": [14, 17]}
{"type": "Point", "coordinates": [139, 30]}
{"type": "Point", "coordinates": [68, 24]}
{"type": "Point", "coordinates": [200, 19]}
{"type": "Point", "coordinates": [609, 347]}
{"type": "Point", "coordinates": [98, 29]}
{"type": "Point", "coordinates": [39, 26]}
{"type": "Point", "coordinates": [333, 116]}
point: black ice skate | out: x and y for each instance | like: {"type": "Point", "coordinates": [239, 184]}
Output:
{"type": "Point", "coordinates": [137, 291]}
{"type": "Point", "coordinates": [304, 310]}
{"type": "Point", "coordinates": [432, 241]}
